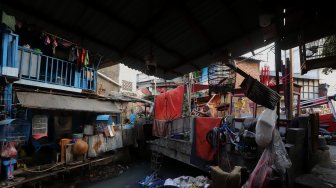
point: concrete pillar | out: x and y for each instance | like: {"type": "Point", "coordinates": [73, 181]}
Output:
{"type": "Point", "coordinates": [296, 151]}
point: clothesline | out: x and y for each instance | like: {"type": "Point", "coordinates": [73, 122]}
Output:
{"type": "Point", "coordinates": [77, 46]}
{"type": "Point", "coordinates": [46, 33]}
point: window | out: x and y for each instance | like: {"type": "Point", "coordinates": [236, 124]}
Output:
{"type": "Point", "coordinates": [309, 89]}
{"type": "Point", "coordinates": [300, 82]}
{"type": "Point", "coordinates": [116, 118]}
{"type": "Point", "coordinates": [311, 95]}
{"type": "Point", "coordinates": [126, 85]}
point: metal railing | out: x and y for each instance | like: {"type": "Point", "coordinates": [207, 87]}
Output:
{"type": "Point", "coordinates": [9, 48]}
{"type": "Point", "coordinates": [35, 66]}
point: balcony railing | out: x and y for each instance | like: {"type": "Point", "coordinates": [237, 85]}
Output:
{"type": "Point", "coordinates": [35, 66]}
{"type": "Point", "coordinates": [8, 55]}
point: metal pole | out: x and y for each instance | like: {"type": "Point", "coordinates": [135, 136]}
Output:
{"type": "Point", "coordinates": [290, 109]}
{"type": "Point", "coordinates": [277, 69]}
{"type": "Point", "coordinates": [154, 86]}
{"type": "Point", "coordinates": [189, 93]}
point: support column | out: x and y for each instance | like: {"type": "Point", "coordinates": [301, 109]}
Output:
{"type": "Point", "coordinates": [277, 70]}
{"type": "Point", "coordinates": [8, 99]}
{"type": "Point", "coordinates": [290, 70]}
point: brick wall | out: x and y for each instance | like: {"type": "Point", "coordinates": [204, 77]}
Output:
{"type": "Point", "coordinates": [251, 67]}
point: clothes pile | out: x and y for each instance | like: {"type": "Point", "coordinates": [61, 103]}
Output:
{"type": "Point", "coordinates": [188, 182]}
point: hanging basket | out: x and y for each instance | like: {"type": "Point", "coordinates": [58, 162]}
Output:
{"type": "Point", "coordinates": [222, 79]}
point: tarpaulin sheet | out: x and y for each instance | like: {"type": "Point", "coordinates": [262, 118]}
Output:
{"type": "Point", "coordinates": [202, 127]}
{"type": "Point", "coordinates": [168, 105]}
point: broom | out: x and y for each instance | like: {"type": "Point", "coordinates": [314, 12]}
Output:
{"type": "Point", "coordinates": [256, 91]}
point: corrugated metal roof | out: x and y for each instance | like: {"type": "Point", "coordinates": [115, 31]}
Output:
{"type": "Point", "coordinates": [58, 102]}
{"type": "Point", "coordinates": [181, 32]}
{"type": "Point", "coordinates": [297, 75]}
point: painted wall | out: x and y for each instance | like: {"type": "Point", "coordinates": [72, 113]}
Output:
{"type": "Point", "coordinates": [129, 75]}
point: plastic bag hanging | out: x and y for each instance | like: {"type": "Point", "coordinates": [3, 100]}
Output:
{"type": "Point", "coordinates": [274, 158]}
{"type": "Point", "coordinates": [265, 126]}
{"type": "Point", "coordinates": [9, 150]}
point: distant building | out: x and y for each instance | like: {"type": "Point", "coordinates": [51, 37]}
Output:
{"type": "Point", "coordinates": [117, 78]}
{"type": "Point", "coordinates": [309, 84]}
{"type": "Point", "coordinates": [250, 66]}
{"type": "Point", "coordinates": [151, 85]}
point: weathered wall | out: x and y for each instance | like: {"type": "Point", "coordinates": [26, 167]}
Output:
{"type": "Point", "coordinates": [104, 87]}
{"type": "Point", "coordinates": [130, 76]}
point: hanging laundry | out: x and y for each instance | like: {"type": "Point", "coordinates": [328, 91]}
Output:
{"type": "Point", "coordinates": [54, 44]}
{"type": "Point", "coordinates": [73, 54]}
{"type": "Point", "coordinates": [81, 57]}
{"type": "Point", "coordinates": [64, 43]}
{"type": "Point", "coordinates": [18, 23]}
{"type": "Point", "coordinates": [86, 60]}
{"type": "Point", "coordinates": [46, 40]}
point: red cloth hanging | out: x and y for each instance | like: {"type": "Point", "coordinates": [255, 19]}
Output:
{"type": "Point", "coordinates": [202, 126]}
{"type": "Point", "coordinates": [199, 87]}
{"type": "Point", "coordinates": [168, 105]}
{"type": "Point", "coordinates": [81, 57]}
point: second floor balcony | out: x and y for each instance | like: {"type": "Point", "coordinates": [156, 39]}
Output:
{"type": "Point", "coordinates": [33, 68]}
